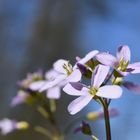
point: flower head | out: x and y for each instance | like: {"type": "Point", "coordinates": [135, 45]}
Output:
{"type": "Point", "coordinates": [53, 92]}
{"type": "Point", "coordinates": [20, 98]}
{"type": "Point", "coordinates": [31, 77]}
{"type": "Point", "coordinates": [95, 89]}
{"type": "Point", "coordinates": [65, 73]}
{"type": "Point", "coordinates": [121, 62]}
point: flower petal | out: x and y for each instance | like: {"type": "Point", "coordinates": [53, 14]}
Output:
{"type": "Point", "coordinates": [36, 85]}
{"type": "Point", "coordinates": [135, 67]}
{"type": "Point", "coordinates": [53, 93]}
{"type": "Point", "coordinates": [99, 75]}
{"type": "Point", "coordinates": [79, 103]}
{"type": "Point", "coordinates": [20, 98]}
{"type": "Point", "coordinates": [110, 91]}
{"type": "Point", "coordinates": [83, 69]}
{"type": "Point", "coordinates": [72, 89]}
{"type": "Point", "coordinates": [122, 73]}
{"type": "Point", "coordinates": [50, 84]}
{"type": "Point", "coordinates": [107, 59]}
{"type": "Point", "coordinates": [75, 76]}
{"type": "Point", "coordinates": [51, 74]}
{"type": "Point", "coordinates": [124, 52]}
{"type": "Point", "coordinates": [89, 56]}
{"type": "Point", "coordinates": [58, 65]}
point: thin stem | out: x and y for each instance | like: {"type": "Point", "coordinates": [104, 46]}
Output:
{"type": "Point", "coordinates": [43, 131]}
{"type": "Point", "coordinates": [106, 116]}
{"type": "Point", "coordinates": [107, 121]}
{"type": "Point", "coordinates": [94, 137]}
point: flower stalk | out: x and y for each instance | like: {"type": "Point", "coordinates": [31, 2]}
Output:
{"type": "Point", "coordinates": [107, 123]}
{"type": "Point", "coordinates": [106, 118]}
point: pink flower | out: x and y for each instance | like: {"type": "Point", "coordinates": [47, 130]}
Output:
{"type": "Point", "coordinates": [53, 92]}
{"type": "Point", "coordinates": [20, 98]}
{"type": "Point", "coordinates": [120, 62]}
{"type": "Point", "coordinates": [65, 72]}
{"type": "Point", "coordinates": [87, 93]}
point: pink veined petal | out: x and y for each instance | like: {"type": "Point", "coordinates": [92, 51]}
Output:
{"type": "Point", "coordinates": [110, 91]}
{"type": "Point", "coordinates": [99, 75]}
{"type": "Point", "coordinates": [58, 65]}
{"type": "Point", "coordinates": [36, 85]}
{"type": "Point", "coordinates": [50, 84]}
{"type": "Point", "coordinates": [53, 93]}
{"type": "Point", "coordinates": [124, 52]}
{"type": "Point", "coordinates": [89, 56]}
{"type": "Point", "coordinates": [122, 73]}
{"type": "Point", "coordinates": [69, 89]}
{"type": "Point", "coordinates": [75, 76]}
{"type": "Point", "coordinates": [51, 74]}
{"type": "Point", "coordinates": [135, 67]}
{"type": "Point", "coordinates": [79, 103]}
{"type": "Point", "coordinates": [107, 59]}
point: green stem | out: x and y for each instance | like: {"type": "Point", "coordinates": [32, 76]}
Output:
{"type": "Point", "coordinates": [43, 131]}
{"type": "Point", "coordinates": [94, 137]}
{"type": "Point", "coordinates": [106, 116]}
{"type": "Point", "coordinates": [107, 121]}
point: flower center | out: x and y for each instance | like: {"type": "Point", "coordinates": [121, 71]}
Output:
{"type": "Point", "coordinates": [68, 68]}
{"type": "Point", "coordinates": [93, 91]}
{"type": "Point", "coordinates": [123, 65]}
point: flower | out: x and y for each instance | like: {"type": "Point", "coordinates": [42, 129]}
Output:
{"type": "Point", "coordinates": [61, 74]}
{"type": "Point", "coordinates": [8, 125]}
{"type": "Point", "coordinates": [53, 92]}
{"type": "Point", "coordinates": [65, 72]}
{"type": "Point", "coordinates": [96, 89]}
{"type": "Point", "coordinates": [25, 93]}
{"type": "Point", "coordinates": [20, 98]}
{"type": "Point", "coordinates": [120, 62]}
{"type": "Point", "coordinates": [31, 77]}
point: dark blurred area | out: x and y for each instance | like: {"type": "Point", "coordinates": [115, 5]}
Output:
{"type": "Point", "coordinates": [35, 33]}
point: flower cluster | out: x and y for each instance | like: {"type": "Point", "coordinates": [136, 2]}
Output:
{"type": "Point", "coordinates": [95, 66]}
{"type": "Point", "coordinates": [105, 76]}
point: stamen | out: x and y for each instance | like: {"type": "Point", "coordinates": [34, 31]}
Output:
{"type": "Point", "coordinates": [123, 65]}
{"type": "Point", "coordinates": [93, 91]}
{"type": "Point", "coordinates": [68, 68]}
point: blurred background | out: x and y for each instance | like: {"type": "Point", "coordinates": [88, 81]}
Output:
{"type": "Point", "coordinates": [35, 33]}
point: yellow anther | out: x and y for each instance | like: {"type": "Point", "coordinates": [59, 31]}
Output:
{"type": "Point", "coordinates": [22, 125]}
{"type": "Point", "coordinates": [93, 91]}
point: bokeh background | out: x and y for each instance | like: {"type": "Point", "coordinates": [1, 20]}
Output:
{"type": "Point", "coordinates": [35, 33]}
